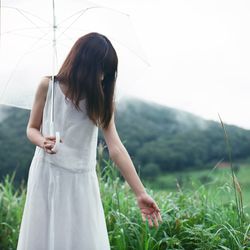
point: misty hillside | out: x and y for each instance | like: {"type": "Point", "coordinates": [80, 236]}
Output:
{"type": "Point", "coordinates": [167, 139]}
{"type": "Point", "coordinates": [158, 139]}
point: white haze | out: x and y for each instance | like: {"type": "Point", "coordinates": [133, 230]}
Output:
{"type": "Point", "coordinates": [200, 55]}
{"type": "Point", "coordinates": [199, 52]}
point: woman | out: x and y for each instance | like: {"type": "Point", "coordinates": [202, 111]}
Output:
{"type": "Point", "coordinates": [63, 208]}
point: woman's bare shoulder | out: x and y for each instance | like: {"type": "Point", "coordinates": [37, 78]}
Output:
{"type": "Point", "coordinates": [45, 81]}
{"type": "Point", "coordinates": [43, 85]}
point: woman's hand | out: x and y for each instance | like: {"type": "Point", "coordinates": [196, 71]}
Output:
{"type": "Point", "coordinates": [149, 209]}
{"type": "Point", "coordinates": [48, 144]}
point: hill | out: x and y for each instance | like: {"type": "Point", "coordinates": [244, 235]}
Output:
{"type": "Point", "coordinates": [158, 138]}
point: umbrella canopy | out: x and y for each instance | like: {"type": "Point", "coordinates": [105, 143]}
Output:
{"type": "Point", "coordinates": [37, 35]}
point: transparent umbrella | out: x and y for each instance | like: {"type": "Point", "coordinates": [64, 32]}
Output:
{"type": "Point", "coordinates": [37, 35]}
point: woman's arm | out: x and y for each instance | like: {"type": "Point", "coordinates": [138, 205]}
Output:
{"type": "Point", "coordinates": [120, 156]}
{"type": "Point", "coordinates": [35, 119]}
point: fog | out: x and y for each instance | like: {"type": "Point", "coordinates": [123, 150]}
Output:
{"type": "Point", "coordinates": [198, 52]}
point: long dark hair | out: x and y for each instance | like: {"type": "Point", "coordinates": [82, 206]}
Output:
{"type": "Point", "coordinates": [91, 57]}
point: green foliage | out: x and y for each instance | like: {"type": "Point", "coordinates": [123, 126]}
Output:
{"type": "Point", "coordinates": [11, 208]}
{"type": "Point", "coordinates": [237, 189]}
{"type": "Point", "coordinates": [16, 151]}
{"type": "Point", "coordinates": [150, 170]}
{"type": "Point", "coordinates": [166, 138]}
{"type": "Point", "coordinates": [173, 139]}
{"type": "Point", "coordinates": [192, 219]}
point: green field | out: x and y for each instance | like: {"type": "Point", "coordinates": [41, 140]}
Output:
{"type": "Point", "coordinates": [195, 215]}
{"type": "Point", "coordinates": [217, 181]}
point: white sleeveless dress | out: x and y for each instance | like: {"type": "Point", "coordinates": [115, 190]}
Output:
{"type": "Point", "coordinates": [63, 208]}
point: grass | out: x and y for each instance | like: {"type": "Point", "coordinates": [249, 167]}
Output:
{"type": "Point", "coordinates": [217, 182]}
{"type": "Point", "coordinates": [192, 218]}
{"type": "Point", "coordinates": [237, 187]}
{"type": "Point", "coordinates": [205, 212]}
{"type": "Point", "coordinates": [11, 208]}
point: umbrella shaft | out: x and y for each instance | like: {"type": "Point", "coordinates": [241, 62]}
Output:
{"type": "Point", "coordinates": [54, 61]}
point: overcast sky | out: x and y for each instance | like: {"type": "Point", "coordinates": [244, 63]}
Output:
{"type": "Point", "coordinates": [199, 52]}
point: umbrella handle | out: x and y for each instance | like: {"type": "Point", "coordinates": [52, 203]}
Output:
{"type": "Point", "coordinates": [57, 142]}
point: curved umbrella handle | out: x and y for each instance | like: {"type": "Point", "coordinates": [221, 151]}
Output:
{"type": "Point", "coordinates": [58, 138]}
